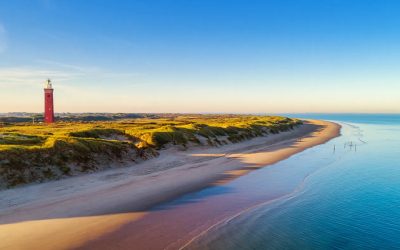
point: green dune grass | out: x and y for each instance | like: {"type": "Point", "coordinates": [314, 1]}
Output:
{"type": "Point", "coordinates": [32, 153]}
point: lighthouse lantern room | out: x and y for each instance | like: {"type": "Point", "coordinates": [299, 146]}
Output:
{"type": "Point", "coordinates": [48, 102]}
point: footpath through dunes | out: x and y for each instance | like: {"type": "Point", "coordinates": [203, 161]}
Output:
{"type": "Point", "coordinates": [98, 210]}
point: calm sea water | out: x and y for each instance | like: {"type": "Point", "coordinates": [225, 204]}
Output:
{"type": "Point", "coordinates": [344, 194]}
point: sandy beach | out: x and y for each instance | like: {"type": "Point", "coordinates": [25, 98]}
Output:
{"type": "Point", "coordinates": [83, 211]}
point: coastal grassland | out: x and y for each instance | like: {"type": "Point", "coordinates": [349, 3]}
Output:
{"type": "Point", "coordinates": [38, 152]}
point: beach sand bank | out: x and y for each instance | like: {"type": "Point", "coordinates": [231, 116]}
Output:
{"type": "Point", "coordinates": [91, 210]}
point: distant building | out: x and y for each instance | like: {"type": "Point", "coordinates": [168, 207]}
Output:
{"type": "Point", "coordinates": [48, 102]}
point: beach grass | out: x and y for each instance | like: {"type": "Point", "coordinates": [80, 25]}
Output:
{"type": "Point", "coordinates": [39, 152]}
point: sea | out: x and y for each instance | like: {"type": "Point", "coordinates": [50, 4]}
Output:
{"type": "Point", "coordinates": [344, 194]}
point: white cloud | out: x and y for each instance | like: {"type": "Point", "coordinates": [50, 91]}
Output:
{"type": "Point", "coordinates": [3, 39]}
{"type": "Point", "coordinates": [88, 72]}
{"type": "Point", "coordinates": [29, 76]}
{"type": "Point", "coordinates": [56, 71]}
{"type": "Point", "coordinates": [65, 76]}
{"type": "Point", "coordinates": [65, 66]}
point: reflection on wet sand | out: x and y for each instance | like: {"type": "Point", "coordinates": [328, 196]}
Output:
{"type": "Point", "coordinates": [115, 214]}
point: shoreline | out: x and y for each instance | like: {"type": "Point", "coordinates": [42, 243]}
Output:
{"type": "Point", "coordinates": [103, 202]}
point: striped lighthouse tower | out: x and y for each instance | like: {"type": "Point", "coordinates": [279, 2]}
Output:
{"type": "Point", "coordinates": [48, 102]}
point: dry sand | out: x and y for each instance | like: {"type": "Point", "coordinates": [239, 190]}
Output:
{"type": "Point", "coordinates": [69, 213]}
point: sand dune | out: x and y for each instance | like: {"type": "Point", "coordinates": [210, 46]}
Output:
{"type": "Point", "coordinates": [68, 213]}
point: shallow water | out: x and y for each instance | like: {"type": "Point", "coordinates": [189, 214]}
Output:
{"type": "Point", "coordinates": [344, 194]}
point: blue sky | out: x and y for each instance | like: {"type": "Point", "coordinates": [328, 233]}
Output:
{"type": "Point", "coordinates": [201, 56]}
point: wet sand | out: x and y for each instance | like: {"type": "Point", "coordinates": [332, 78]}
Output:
{"type": "Point", "coordinates": [110, 210]}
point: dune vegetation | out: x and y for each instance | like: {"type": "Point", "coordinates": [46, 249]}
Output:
{"type": "Point", "coordinates": [38, 152]}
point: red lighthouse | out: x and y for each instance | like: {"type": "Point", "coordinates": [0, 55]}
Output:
{"type": "Point", "coordinates": [48, 103]}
